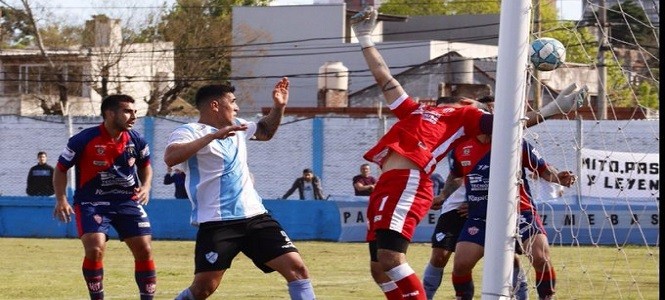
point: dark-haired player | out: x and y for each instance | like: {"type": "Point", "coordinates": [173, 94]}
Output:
{"type": "Point", "coordinates": [113, 176]}
{"type": "Point", "coordinates": [226, 208]}
{"type": "Point", "coordinates": [407, 154]}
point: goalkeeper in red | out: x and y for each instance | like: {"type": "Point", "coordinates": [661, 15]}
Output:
{"type": "Point", "coordinates": [407, 155]}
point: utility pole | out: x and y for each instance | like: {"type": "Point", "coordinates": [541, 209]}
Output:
{"type": "Point", "coordinates": [603, 45]}
{"type": "Point", "coordinates": [537, 86]}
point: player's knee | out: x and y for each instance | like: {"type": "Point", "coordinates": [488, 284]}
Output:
{"type": "Point", "coordinates": [299, 270]}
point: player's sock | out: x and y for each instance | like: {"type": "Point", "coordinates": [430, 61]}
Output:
{"type": "Point", "coordinates": [301, 289]}
{"type": "Point", "coordinates": [407, 281]}
{"type": "Point", "coordinates": [464, 288]}
{"type": "Point", "coordinates": [93, 273]}
{"type": "Point", "coordinates": [146, 278]}
{"type": "Point", "coordinates": [431, 280]}
{"type": "Point", "coordinates": [186, 294]}
{"type": "Point", "coordinates": [391, 290]}
{"type": "Point", "coordinates": [520, 286]}
{"type": "Point", "coordinates": [545, 282]}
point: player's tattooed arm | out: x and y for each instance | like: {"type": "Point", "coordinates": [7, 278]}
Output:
{"type": "Point", "coordinates": [451, 185]}
{"type": "Point", "coordinates": [390, 87]}
{"type": "Point", "coordinates": [267, 126]}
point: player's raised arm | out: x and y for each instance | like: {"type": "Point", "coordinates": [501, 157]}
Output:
{"type": "Point", "coordinates": [267, 126]}
{"type": "Point", "coordinates": [363, 24]}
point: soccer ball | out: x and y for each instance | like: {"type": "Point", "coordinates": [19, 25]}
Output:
{"type": "Point", "coordinates": [547, 54]}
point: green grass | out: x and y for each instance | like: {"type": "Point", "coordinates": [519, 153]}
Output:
{"type": "Point", "coordinates": [51, 269]}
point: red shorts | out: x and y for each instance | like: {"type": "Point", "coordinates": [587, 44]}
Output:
{"type": "Point", "coordinates": [399, 201]}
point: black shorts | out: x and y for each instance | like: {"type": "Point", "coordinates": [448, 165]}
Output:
{"type": "Point", "coordinates": [387, 239]}
{"type": "Point", "coordinates": [260, 238]}
{"type": "Point", "coordinates": [447, 230]}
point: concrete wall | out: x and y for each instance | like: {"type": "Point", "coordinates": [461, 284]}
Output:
{"type": "Point", "coordinates": [345, 221]}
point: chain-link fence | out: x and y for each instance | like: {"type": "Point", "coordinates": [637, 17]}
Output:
{"type": "Point", "coordinates": [332, 146]}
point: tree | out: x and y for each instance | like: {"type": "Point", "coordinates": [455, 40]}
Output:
{"type": "Point", "coordinates": [202, 36]}
{"type": "Point", "coordinates": [15, 31]}
{"type": "Point", "coordinates": [438, 7]}
{"type": "Point", "coordinates": [630, 26]}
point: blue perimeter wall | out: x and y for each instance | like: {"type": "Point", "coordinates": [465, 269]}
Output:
{"type": "Point", "coordinates": [344, 221]}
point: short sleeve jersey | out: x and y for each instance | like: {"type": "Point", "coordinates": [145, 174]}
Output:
{"type": "Point", "coordinates": [471, 160]}
{"type": "Point", "coordinates": [425, 134]}
{"type": "Point", "coordinates": [218, 180]}
{"type": "Point", "coordinates": [364, 180]}
{"type": "Point", "coordinates": [106, 168]}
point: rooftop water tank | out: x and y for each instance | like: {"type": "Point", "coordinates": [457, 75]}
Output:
{"type": "Point", "coordinates": [333, 75]}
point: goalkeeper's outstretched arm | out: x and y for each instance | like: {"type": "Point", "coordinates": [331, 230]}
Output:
{"type": "Point", "coordinates": [390, 87]}
{"type": "Point", "coordinates": [363, 24]}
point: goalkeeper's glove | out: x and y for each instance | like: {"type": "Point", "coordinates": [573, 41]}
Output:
{"type": "Point", "coordinates": [363, 24]}
{"type": "Point", "coordinates": [569, 98]}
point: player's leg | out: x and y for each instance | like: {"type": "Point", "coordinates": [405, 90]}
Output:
{"type": "Point", "coordinates": [536, 247]}
{"type": "Point", "coordinates": [520, 286]}
{"type": "Point", "coordinates": [538, 251]}
{"type": "Point", "coordinates": [467, 254]}
{"type": "Point", "coordinates": [390, 290]}
{"type": "Point", "coordinates": [145, 273]}
{"type": "Point", "coordinates": [444, 239]}
{"type": "Point", "coordinates": [133, 226]}
{"type": "Point", "coordinates": [92, 226]}
{"type": "Point", "coordinates": [433, 274]}
{"type": "Point", "coordinates": [94, 245]}
{"type": "Point", "coordinates": [400, 200]}
{"type": "Point", "coordinates": [468, 251]}
{"type": "Point", "coordinates": [391, 254]}
{"type": "Point", "coordinates": [270, 249]}
{"type": "Point", "coordinates": [216, 245]}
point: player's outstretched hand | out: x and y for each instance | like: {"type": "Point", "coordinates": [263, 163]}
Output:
{"type": "Point", "coordinates": [363, 24]}
{"type": "Point", "coordinates": [570, 98]}
{"type": "Point", "coordinates": [228, 131]}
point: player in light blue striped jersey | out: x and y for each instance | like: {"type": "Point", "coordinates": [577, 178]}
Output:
{"type": "Point", "coordinates": [226, 208]}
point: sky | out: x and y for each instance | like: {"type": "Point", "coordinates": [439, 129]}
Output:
{"type": "Point", "coordinates": [77, 11]}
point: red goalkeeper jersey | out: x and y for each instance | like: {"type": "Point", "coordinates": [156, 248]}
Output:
{"type": "Point", "coordinates": [425, 134]}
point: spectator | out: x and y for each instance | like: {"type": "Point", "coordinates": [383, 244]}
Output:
{"type": "Point", "coordinates": [363, 184]}
{"type": "Point", "coordinates": [40, 177]}
{"type": "Point", "coordinates": [177, 177]}
{"type": "Point", "coordinates": [308, 186]}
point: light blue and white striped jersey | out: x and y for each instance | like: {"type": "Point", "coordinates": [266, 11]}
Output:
{"type": "Point", "coordinates": [218, 180]}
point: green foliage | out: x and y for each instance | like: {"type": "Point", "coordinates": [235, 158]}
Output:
{"type": "Point", "coordinates": [15, 30]}
{"type": "Point", "coordinates": [438, 7]}
{"type": "Point", "coordinates": [630, 26]}
{"type": "Point", "coordinates": [202, 35]}
{"type": "Point", "coordinates": [648, 95]}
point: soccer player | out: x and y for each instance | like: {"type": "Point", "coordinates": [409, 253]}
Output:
{"type": "Point", "coordinates": [407, 154]}
{"type": "Point", "coordinates": [451, 202]}
{"type": "Point", "coordinates": [113, 180]}
{"type": "Point", "coordinates": [471, 159]}
{"type": "Point", "coordinates": [226, 208]}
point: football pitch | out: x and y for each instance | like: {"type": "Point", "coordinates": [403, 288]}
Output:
{"type": "Point", "coordinates": [51, 269]}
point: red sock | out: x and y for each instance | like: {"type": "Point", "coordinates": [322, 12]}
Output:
{"type": "Point", "coordinates": [545, 282]}
{"type": "Point", "coordinates": [146, 278]}
{"type": "Point", "coordinates": [463, 285]}
{"type": "Point", "coordinates": [93, 273]}
{"type": "Point", "coordinates": [408, 282]}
